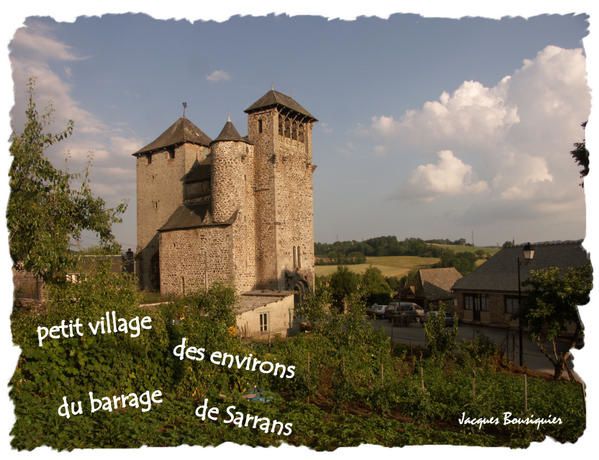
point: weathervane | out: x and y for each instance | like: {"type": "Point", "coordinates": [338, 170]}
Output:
{"type": "Point", "coordinates": [184, 108]}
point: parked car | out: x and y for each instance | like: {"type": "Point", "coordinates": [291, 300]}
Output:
{"type": "Point", "coordinates": [391, 309]}
{"type": "Point", "coordinates": [448, 317]}
{"type": "Point", "coordinates": [376, 310]}
{"type": "Point", "coordinates": [406, 313]}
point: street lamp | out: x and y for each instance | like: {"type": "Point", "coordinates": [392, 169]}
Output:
{"type": "Point", "coordinates": [528, 253]}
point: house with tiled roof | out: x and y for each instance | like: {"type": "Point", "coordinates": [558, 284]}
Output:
{"type": "Point", "coordinates": [490, 294]}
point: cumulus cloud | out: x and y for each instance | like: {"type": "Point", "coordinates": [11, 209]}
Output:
{"type": "Point", "coordinates": [218, 75]}
{"type": "Point", "coordinates": [36, 53]}
{"type": "Point", "coordinates": [472, 112]}
{"type": "Point", "coordinates": [449, 176]}
{"type": "Point", "coordinates": [518, 133]}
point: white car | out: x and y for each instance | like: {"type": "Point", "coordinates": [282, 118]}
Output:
{"type": "Point", "coordinates": [376, 311]}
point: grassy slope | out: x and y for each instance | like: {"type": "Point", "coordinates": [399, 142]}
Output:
{"type": "Point", "coordinates": [389, 265]}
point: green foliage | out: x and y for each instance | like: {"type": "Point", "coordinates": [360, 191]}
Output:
{"type": "Point", "coordinates": [343, 283]}
{"type": "Point", "coordinates": [552, 306]}
{"type": "Point", "coordinates": [44, 211]}
{"type": "Point", "coordinates": [440, 339]}
{"type": "Point", "coordinates": [464, 262]}
{"type": "Point", "coordinates": [349, 388]}
{"type": "Point", "coordinates": [375, 287]}
{"type": "Point", "coordinates": [581, 156]}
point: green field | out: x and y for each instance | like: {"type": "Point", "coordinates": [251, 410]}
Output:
{"type": "Point", "coordinates": [389, 265]}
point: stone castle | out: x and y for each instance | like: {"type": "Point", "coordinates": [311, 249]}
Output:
{"type": "Point", "coordinates": [236, 210]}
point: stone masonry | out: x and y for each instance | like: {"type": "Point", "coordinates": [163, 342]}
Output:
{"type": "Point", "coordinates": [236, 210]}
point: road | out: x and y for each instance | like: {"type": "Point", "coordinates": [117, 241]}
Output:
{"type": "Point", "coordinates": [414, 335]}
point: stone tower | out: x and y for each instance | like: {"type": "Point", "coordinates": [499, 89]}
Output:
{"type": "Point", "coordinates": [281, 131]}
{"type": "Point", "coordinates": [160, 165]}
{"type": "Point", "coordinates": [235, 210]}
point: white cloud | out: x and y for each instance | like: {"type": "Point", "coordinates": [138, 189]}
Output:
{"type": "Point", "coordinates": [36, 41]}
{"type": "Point", "coordinates": [218, 75]}
{"type": "Point", "coordinates": [518, 132]}
{"type": "Point", "coordinates": [105, 144]}
{"type": "Point", "coordinates": [449, 176]}
{"type": "Point", "coordinates": [473, 113]}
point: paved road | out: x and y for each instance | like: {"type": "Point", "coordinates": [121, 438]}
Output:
{"type": "Point", "coordinates": [414, 335]}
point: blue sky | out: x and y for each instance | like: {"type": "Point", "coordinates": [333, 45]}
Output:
{"type": "Point", "coordinates": [428, 127]}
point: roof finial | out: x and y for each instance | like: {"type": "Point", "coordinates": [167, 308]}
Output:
{"type": "Point", "coordinates": [228, 118]}
{"type": "Point", "coordinates": [184, 108]}
{"type": "Point", "coordinates": [272, 87]}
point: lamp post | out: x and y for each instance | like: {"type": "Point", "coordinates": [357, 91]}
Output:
{"type": "Point", "coordinates": [528, 253]}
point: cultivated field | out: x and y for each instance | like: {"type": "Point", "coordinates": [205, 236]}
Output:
{"type": "Point", "coordinates": [390, 265]}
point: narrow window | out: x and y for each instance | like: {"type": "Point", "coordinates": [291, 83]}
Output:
{"type": "Point", "coordinates": [264, 322]}
{"type": "Point", "coordinates": [287, 127]}
{"type": "Point", "coordinates": [300, 134]}
{"type": "Point", "coordinates": [171, 153]}
{"type": "Point", "coordinates": [299, 258]}
{"type": "Point", "coordinates": [294, 258]}
{"type": "Point", "coordinates": [149, 158]}
{"type": "Point", "coordinates": [259, 126]}
{"type": "Point", "coordinates": [294, 130]}
{"type": "Point", "coordinates": [280, 125]}
{"type": "Point", "coordinates": [512, 305]}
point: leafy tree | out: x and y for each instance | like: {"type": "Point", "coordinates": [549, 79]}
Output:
{"type": "Point", "coordinates": [581, 156]}
{"type": "Point", "coordinates": [508, 244]}
{"type": "Point", "coordinates": [440, 339]}
{"type": "Point", "coordinates": [343, 284]}
{"type": "Point", "coordinates": [553, 306]}
{"type": "Point", "coordinates": [375, 287]}
{"type": "Point", "coordinates": [45, 211]}
{"type": "Point", "coordinates": [464, 262]}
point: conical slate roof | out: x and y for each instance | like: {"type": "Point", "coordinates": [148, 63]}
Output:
{"type": "Point", "coordinates": [229, 133]}
{"type": "Point", "coordinates": [274, 98]}
{"type": "Point", "coordinates": [179, 132]}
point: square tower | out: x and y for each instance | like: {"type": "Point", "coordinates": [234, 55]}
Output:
{"type": "Point", "coordinates": [281, 131]}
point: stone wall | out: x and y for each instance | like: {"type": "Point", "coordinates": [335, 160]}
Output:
{"type": "Point", "coordinates": [193, 259]}
{"type": "Point", "coordinates": [284, 200]}
{"type": "Point", "coordinates": [495, 313]}
{"type": "Point", "coordinates": [266, 272]}
{"type": "Point", "coordinates": [159, 193]}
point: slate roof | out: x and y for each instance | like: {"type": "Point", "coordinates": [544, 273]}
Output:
{"type": "Point", "coordinates": [276, 99]}
{"type": "Point", "coordinates": [499, 273]}
{"type": "Point", "coordinates": [229, 133]}
{"type": "Point", "coordinates": [179, 132]}
{"type": "Point", "coordinates": [437, 282]}
{"type": "Point", "coordinates": [190, 215]}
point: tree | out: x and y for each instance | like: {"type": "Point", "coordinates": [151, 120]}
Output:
{"type": "Point", "coordinates": [552, 307]}
{"type": "Point", "coordinates": [375, 287]}
{"type": "Point", "coordinates": [45, 210]}
{"type": "Point", "coordinates": [581, 156]}
{"type": "Point", "coordinates": [343, 284]}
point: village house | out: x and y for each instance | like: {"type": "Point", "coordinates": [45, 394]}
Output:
{"type": "Point", "coordinates": [431, 287]}
{"type": "Point", "coordinates": [489, 295]}
{"type": "Point", "coordinates": [234, 209]}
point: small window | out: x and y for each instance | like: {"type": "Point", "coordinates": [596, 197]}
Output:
{"type": "Point", "coordinates": [171, 153]}
{"type": "Point", "coordinates": [294, 258]}
{"type": "Point", "coordinates": [512, 305]}
{"type": "Point", "coordinates": [259, 126]}
{"type": "Point", "coordinates": [299, 258]}
{"type": "Point", "coordinates": [468, 302]}
{"type": "Point", "coordinates": [149, 158]}
{"type": "Point", "coordinates": [294, 130]}
{"type": "Point", "coordinates": [287, 127]}
{"type": "Point", "coordinates": [155, 204]}
{"type": "Point", "coordinates": [264, 322]}
{"type": "Point", "coordinates": [300, 134]}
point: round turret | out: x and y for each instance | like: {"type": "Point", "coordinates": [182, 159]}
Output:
{"type": "Point", "coordinates": [227, 178]}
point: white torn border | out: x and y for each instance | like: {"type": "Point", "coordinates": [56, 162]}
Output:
{"type": "Point", "coordinates": [64, 11]}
